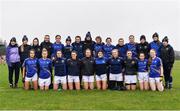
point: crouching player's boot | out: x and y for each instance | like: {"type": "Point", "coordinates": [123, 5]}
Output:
{"type": "Point", "coordinates": [112, 85]}
{"type": "Point", "coordinates": [120, 86]}
{"type": "Point", "coordinates": [170, 82]}
{"type": "Point", "coordinates": [166, 85]}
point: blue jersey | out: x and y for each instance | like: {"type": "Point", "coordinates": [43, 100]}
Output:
{"type": "Point", "coordinates": [56, 47]}
{"type": "Point", "coordinates": [143, 65]}
{"type": "Point", "coordinates": [98, 47]}
{"type": "Point", "coordinates": [115, 65]}
{"type": "Point", "coordinates": [155, 67]}
{"type": "Point", "coordinates": [156, 46]}
{"type": "Point", "coordinates": [60, 67]}
{"type": "Point", "coordinates": [133, 48]}
{"type": "Point", "coordinates": [122, 50]}
{"type": "Point", "coordinates": [101, 66]}
{"type": "Point", "coordinates": [107, 50]}
{"type": "Point", "coordinates": [78, 47]}
{"type": "Point", "coordinates": [67, 51]}
{"type": "Point", "coordinates": [45, 67]}
{"type": "Point", "coordinates": [30, 66]}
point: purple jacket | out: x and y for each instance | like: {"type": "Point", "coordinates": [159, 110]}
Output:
{"type": "Point", "coordinates": [12, 55]}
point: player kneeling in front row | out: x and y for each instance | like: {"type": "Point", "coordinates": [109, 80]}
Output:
{"type": "Point", "coordinates": [73, 66]}
{"type": "Point", "coordinates": [60, 77]}
{"type": "Point", "coordinates": [45, 67]}
{"type": "Point", "coordinates": [30, 71]}
{"type": "Point", "coordinates": [101, 68]}
{"type": "Point", "coordinates": [131, 68]}
{"type": "Point", "coordinates": [156, 72]}
{"type": "Point", "coordinates": [115, 68]}
{"type": "Point", "coordinates": [88, 65]}
{"type": "Point", "coordinates": [143, 75]}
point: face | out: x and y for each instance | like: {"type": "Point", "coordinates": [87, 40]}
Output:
{"type": "Point", "coordinates": [25, 42]}
{"type": "Point", "coordinates": [44, 54]}
{"type": "Point", "coordinates": [58, 39]}
{"type": "Point", "coordinates": [98, 40]}
{"type": "Point", "coordinates": [108, 41]}
{"type": "Point", "coordinates": [13, 43]}
{"type": "Point", "coordinates": [131, 39]}
{"type": "Point", "coordinates": [142, 41]}
{"type": "Point", "coordinates": [115, 53]}
{"type": "Point", "coordinates": [165, 43]}
{"type": "Point", "coordinates": [152, 53]}
{"type": "Point", "coordinates": [35, 42]}
{"type": "Point", "coordinates": [73, 55]}
{"type": "Point", "coordinates": [129, 54]}
{"type": "Point", "coordinates": [77, 39]}
{"type": "Point", "coordinates": [100, 54]}
{"type": "Point", "coordinates": [88, 53]}
{"type": "Point", "coordinates": [155, 38]}
{"type": "Point", "coordinates": [59, 54]}
{"type": "Point", "coordinates": [32, 54]}
{"type": "Point", "coordinates": [141, 56]}
{"type": "Point", "coordinates": [68, 42]}
{"type": "Point", "coordinates": [121, 42]}
{"type": "Point", "coordinates": [46, 38]}
{"type": "Point", "coordinates": [88, 38]}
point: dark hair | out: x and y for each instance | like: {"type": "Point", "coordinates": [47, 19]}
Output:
{"type": "Point", "coordinates": [47, 35]}
{"type": "Point", "coordinates": [73, 52]}
{"type": "Point", "coordinates": [57, 36]}
{"type": "Point", "coordinates": [165, 39]}
{"type": "Point", "coordinates": [68, 38]}
{"type": "Point", "coordinates": [108, 38]}
{"type": "Point", "coordinates": [13, 39]}
{"type": "Point", "coordinates": [155, 35]}
{"type": "Point", "coordinates": [36, 39]}
{"type": "Point", "coordinates": [24, 38]}
{"type": "Point", "coordinates": [99, 37]}
{"type": "Point", "coordinates": [142, 37]}
{"type": "Point", "coordinates": [78, 37]}
{"type": "Point", "coordinates": [131, 36]}
{"type": "Point", "coordinates": [99, 52]}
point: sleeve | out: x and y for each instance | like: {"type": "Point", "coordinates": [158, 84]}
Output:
{"type": "Point", "coordinates": [72, 46]}
{"type": "Point", "coordinates": [24, 63]}
{"type": "Point", "coordinates": [7, 56]}
{"type": "Point", "coordinates": [38, 66]}
{"type": "Point", "coordinates": [63, 50]}
{"type": "Point", "coordinates": [171, 56]}
{"type": "Point", "coordinates": [136, 64]}
{"type": "Point", "coordinates": [50, 66]}
{"type": "Point", "coordinates": [53, 62]}
{"type": "Point", "coordinates": [123, 65]}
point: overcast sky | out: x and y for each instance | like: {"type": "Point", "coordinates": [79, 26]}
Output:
{"type": "Point", "coordinates": [107, 18]}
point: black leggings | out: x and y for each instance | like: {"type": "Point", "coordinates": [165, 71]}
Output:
{"type": "Point", "coordinates": [14, 67]}
{"type": "Point", "coordinates": [167, 73]}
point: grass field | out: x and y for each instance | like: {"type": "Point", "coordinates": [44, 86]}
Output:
{"type": "Point", "coordinates": [97, 100]}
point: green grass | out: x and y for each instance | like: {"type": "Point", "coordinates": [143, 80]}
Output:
{"type": "Point", "coordinates": [104, 100]}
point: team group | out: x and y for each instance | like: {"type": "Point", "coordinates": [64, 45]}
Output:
{"type": "Point", "coordinates": [80, 64]}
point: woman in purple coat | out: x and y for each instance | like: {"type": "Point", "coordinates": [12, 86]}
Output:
{"type": "Point", "coordinates": [13, 61]}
